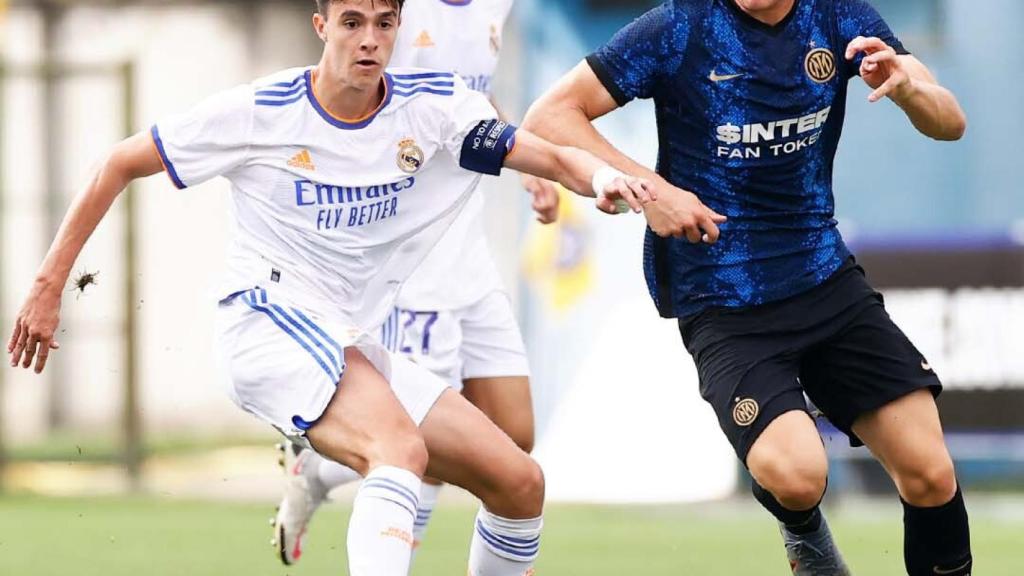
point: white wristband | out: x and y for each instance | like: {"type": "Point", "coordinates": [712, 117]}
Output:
{"type": "Point", "coordinates": [603, 177]}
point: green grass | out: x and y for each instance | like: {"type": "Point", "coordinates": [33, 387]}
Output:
{"type": "Point", "coordinates": [139, 536]}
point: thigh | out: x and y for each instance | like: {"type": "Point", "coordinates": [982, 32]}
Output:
{"type": "Point", "coordinates": [865, 366]}
{"type": "Point", "coordinates": [507, 402]}
{"type": "Point", "coordinates": [467, 449]}
{"type": "Point", "coordinates": [906, 437]}
{"type": "Point", "coordinates": [364, 420]}
{"type": "Point", "coordinates": [492, 344]}
{"type": "Point", "coordinates": [789, 447]}
{"type": "Point", "coordinates": [748, 388]}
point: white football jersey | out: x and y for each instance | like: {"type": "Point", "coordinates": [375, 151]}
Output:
{"type": "Point", "coordinates": [464, 37]}
{"type": "Point", "coordinates": [334, 213]}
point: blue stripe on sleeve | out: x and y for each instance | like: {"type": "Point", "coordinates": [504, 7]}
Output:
{"type": "Point", "coordinates": [422, 75]}
{"type": "Point", "coordinates": [167, 161]}
{"type": "Point", "coordinates": [292, 100]}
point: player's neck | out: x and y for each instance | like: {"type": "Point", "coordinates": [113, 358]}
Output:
{"type": "Point", "coordinates": [770, 15]}
{"type": "Point", "coordinates": [343, 99]}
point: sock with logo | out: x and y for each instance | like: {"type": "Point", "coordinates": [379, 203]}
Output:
{"type": "Point", "coordinates": [795, 521]}
{"type": "Point", "coordinates": [380, 528]}
{"type": "Point", "coordinates": [937, 540]}
{"type": "Point", "coordinates": [428, 500]}
{"type": "Point", "coordinates": [504, 547]}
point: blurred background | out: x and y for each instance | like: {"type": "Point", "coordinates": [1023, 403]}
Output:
{"type": "Point", "coordinates": [128, 457]}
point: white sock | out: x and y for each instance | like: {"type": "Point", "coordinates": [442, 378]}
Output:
{"type": "Point", "coordinates": [380, 528]}
{"type": "Point", "coordinates": [331, 474]}
{"type": "Point", "coordinates": [504, 547]}
{"type": "Point", "coordinates": [428, 500]}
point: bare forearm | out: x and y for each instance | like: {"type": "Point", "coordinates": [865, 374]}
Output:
{"type": "Point", "coordinates": [82, 218]}
{"type": "Point", "coordinates": [571, 126]}
{"type": "Point", "coordinates": [932, 109]}
{"type": "Point", "coordinates": [130, 159]}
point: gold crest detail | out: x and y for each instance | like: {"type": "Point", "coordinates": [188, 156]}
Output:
{"type": "Point", "coordinates": [745, 412]}
{"type": "Point", "coordinates": [820, 65]}
{"type": "Point", "coordinates": [410, 156]}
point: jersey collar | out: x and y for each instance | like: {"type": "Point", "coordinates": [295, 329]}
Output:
{"type": "Point", "coordinates": [348, 123]}
{"type": "Point", "coordinates": [747, 18]}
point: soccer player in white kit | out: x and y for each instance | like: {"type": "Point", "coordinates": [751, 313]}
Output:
{"type": "Point", "coordinates": [453, 316]}
{"type": "Point", "coordinates": [343, 176]}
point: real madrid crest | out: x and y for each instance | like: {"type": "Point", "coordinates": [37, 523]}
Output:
{"type": "Point", "coordinates": [745, 411]}
{"type": "Point", "coordinates": [410, 156]}
{"type": "Point", "coordinates": [820, 65]}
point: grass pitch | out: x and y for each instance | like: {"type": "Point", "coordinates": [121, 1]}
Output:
{"type": "Point", "coordinates": [151, 537]}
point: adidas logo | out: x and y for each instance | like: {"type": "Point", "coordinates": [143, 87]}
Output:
{"type": "Point", "coordinates": [302, 160]}
{"type": "Point", "coordinates": [424, 40]}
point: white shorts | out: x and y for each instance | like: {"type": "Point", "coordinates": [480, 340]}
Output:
{"type": "Point", "coordinates": [481, 340]}
{"type": "Point", "coordinates": [284, 363]}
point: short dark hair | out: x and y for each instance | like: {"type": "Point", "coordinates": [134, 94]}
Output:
{"type": "Point", "coordinates": [322, 5]}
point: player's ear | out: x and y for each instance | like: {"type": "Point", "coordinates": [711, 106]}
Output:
{"type": "Point", "coordinates": [318, 26]}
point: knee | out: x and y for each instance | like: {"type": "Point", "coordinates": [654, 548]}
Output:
{"type": "Point", "coordinates": [523, 495]}
{"type": "Point", "coordinates": [407, 451]}
{"type": "Point", "coordinates": [931, 484]}
{"type": "Point", "coordinates": [796, 486]}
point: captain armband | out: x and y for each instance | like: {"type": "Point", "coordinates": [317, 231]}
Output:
{"type": "Point", "coordinates": [486, 146]}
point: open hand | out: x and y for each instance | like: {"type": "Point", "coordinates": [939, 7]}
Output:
{"type": "Point", "coordinates": [881, 67]}
{"type": "Point", "coordinates": [545, 197]}
{"type": "Point", "coordinates": [34, 329]}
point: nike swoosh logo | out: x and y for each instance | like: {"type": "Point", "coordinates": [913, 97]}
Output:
{"type": "Point", "coordinates": [714, 77]}
{"type": "Point", "coordinates": [926, 366]}
{"type": "Point", "coordinates": [938, 570]}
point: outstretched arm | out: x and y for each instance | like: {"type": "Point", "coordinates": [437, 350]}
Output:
{"type": "Point", "coordinates": [563, 115]}
{"type": "Point", "coordinates": [577, 170]}
{"type": "Point", "coordinates": [544, 193]}
{"type": "Point", "coordinates": [932, 109]}
{"type": "Point", "coordinates": [37, 321]}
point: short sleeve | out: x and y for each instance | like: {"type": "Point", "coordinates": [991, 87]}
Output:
{"type": "Point", "coordinates": [474, 134]}
{"type": "Point", "coordinates": [858, 18]}
{"type": "Point", "coordinates": [209, 140]}
{"type": "Point", "coordinates": [631, 63]}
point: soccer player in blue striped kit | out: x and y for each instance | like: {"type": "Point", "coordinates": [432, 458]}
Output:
{"type": "Point", "coordinates": [743, 249]}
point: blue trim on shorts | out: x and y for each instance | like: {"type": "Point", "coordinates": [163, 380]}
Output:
{"type": "Point", "coordinates": [250, 299]}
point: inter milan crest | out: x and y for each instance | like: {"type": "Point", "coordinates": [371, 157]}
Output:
{"type": "Point", "coordinates": [410, 156]}
{"type": "Point", "coordinates": [820, 65]}
{"type": "Point", "coordinates": [745, 412]}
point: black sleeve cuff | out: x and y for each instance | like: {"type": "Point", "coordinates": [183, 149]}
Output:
{"type": "Point", "coordinates": [606, 80]}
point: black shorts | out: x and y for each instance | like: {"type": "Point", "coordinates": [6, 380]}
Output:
{"type": "Point", "coordinates": [835, 342]}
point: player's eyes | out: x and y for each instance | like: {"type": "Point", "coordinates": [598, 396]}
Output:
{"type": "Point", "coordinates": [350, 24]}
{"type": "Point", "coordinates": [387, 24]}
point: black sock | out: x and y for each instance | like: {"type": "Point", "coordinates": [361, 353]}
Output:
{"type": "Point", "coordinates": [796, 521]}
{"type": "Point", "coordinates": [937, 540]}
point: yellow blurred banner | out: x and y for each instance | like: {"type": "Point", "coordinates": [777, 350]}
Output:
{"type": "Point", "coordinates": [558, 260]}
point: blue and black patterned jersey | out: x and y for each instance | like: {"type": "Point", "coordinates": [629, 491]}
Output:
{"type": "Point", "coordinates": [749, 117]}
